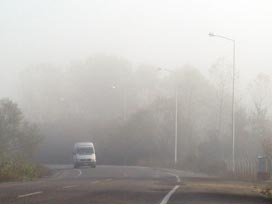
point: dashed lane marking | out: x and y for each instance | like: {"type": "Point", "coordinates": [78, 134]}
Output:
{"type": "Point", "coordinates": [71, 186]}
{"type": "Point", "coordinates": [30, 194]}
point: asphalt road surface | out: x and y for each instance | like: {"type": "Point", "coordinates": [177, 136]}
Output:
{"type": "Point", "coordinates": [122, 185]}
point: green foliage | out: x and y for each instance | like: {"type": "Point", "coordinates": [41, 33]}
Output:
{"type": "Point", "coordinates": [20, 171]}
{"type": "Point", "coordinates": [18, 140]}
{"type": "Point", "coordinates": [17, 136]}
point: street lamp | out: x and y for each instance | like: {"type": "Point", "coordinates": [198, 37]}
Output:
{"type": "Point", "coordinates": [176, 116]}
{"type": "Point", "coordinates": [233, 96]}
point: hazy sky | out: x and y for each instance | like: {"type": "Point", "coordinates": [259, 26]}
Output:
{"type": "Point", "coordinates": [163, 33]}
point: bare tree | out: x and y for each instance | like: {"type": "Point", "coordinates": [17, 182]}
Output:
{"type": "Point", "coordinates": [260, 91]}
{"type": "Point", "coordinates": [220, 73]}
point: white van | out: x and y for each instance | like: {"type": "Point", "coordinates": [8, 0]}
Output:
{"type": "Point", "coordinates": [84, 154]}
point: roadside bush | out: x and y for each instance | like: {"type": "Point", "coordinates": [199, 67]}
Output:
{"type": "Point", "coordinates": [20, 171]}
{"type": "Point", "coordinates": [18, 141]}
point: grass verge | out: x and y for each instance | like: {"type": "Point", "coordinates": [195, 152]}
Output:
{"type": "Point", "coordinates": [21, 171]}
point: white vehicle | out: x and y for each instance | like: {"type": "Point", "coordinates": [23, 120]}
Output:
{"type": "Point", "coordinates": [84, 154]}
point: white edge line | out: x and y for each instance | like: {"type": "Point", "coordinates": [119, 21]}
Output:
{"type": "Point", "coordinates": [94, 182]}
{"type": "Point", "coordinates": [169, 194]}
{"type": "Point", "coordinates": [30, 194]}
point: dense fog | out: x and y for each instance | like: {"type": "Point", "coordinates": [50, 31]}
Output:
{"type": "Point", "coordinates": [129, 112]}
{"type": "Point", "coordinates": [113, 72]}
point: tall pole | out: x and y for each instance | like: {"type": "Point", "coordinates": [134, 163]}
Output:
{"type": "Point", "coordinates": [233, 96]}
{"type": "Point", "coordinates": [176, 124]}
{"type": "Point", "coordinates": [233, 108]}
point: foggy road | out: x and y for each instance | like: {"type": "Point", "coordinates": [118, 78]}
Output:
{"type": "Point", "coordinates": [176, 84]}
{"type": "Point", "coordinates": [116, 184]}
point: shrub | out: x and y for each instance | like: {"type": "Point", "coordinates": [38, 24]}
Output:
{"type": "Point", "coordinates": [20, 171]}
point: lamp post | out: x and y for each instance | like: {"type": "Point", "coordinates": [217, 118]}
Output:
{"type": "Point", "coordinates": [233, 95]}
{"type": "Point", "coordinates": [176, 117]}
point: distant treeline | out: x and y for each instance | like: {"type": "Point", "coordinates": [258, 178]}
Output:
{"type": "Point", "coordinates": [129, 113]}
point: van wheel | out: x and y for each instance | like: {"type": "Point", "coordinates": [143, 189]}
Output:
{"type": "Point", "coordinates": [76, 165]}
{"type": "Point", "coordinates": [93, 165]}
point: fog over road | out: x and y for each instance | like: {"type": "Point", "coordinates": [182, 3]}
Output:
{"type": "Point", "coordinates": [125, 184]}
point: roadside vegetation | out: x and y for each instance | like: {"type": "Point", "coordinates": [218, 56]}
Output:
{"type": "Point", "coordinates": [18, 142]}
{"type": "Point", "coordinates": [22, 170]}
{"type": "Point", "coordinates": [265, 189]}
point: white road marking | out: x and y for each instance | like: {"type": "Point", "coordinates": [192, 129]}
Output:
{"type": "Point", "coordinates": [30, 194]}
{"type": "Point", "coordinates": [71, 186]}
{"type": "Point", "coordinates": [167, 197]}
{"type": "Point", "coordinates": [94, 182]}
{"type": "Point", "coordinates": [170, 193]}
{"type": "Point", "coordinates": [79, 172]}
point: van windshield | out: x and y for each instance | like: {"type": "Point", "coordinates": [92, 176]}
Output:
{"type": "Point", "coordinates": [85, 150]}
